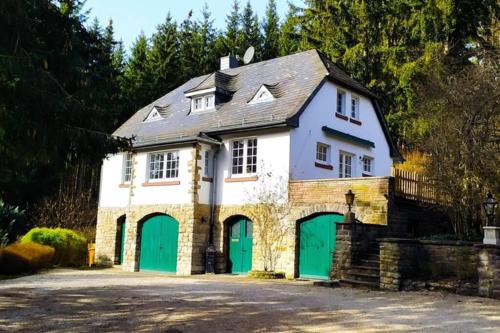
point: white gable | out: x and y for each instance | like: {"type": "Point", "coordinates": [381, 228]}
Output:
{"type": "Point", "coordinates": [153, 115]}
{"type": "Point", "coordinates": [262, 95]}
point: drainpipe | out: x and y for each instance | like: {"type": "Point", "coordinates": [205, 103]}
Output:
{"type": "Point", "coordinates": [210, 253]}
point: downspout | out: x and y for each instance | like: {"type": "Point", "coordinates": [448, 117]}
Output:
{"type": "Point", "coordinates": [211, 251]}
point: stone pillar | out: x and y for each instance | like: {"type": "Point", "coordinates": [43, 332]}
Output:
{"type": "Point", "coordinates": [397, 261]}
{"type": "Point", "coordinates": [342, 257]}
{"type": "Point", "coordinates": [489, 271]}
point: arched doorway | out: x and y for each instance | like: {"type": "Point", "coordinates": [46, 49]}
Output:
{"type": "Point", "coordinates": [240, 239]}
{"type": "Point", "coordinates": [120, 239]}
{"type": "Point", "coordinates": [159, 240]}
{"type": "Point", "coordinates": [317, 235]}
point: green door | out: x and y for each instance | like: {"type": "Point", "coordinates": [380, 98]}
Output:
{"type": "Point", "coordinates": [122, 240]}
{"type": "Point", "coordinates": [317, 245]}
{"type": "Point", "coordinates": [159, 244]}
{"type": "Point", "coordinates": [240, 245]}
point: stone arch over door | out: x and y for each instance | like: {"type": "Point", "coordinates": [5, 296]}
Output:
{"type": "Point", "coordinates": [238, 244]}
{"type": "Point", "coordinates": [315, 239]}
{"type": "Point", "coordinates": [157, 243]}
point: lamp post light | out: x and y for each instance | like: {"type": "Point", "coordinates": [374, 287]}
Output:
{"type": "Point", "coordinates": [491, 232]}
{"type": "Point", "coordinates": [349, 200]}
{"type": "Point", "coordinates": [490, 205]}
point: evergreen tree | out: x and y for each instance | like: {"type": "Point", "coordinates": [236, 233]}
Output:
{"type": "Point", "coordinates": [190, 48]}
{"type": "Point", "coordinates": [138, 87]}
{"type": "Point", "coordinates": [271, 29]}
{"type": "Point", "coordinates": [208, 57]}
{"type": "Point", "coordinates": [250, 32]}
{"type": "Point", "coordinates": [163, 60]}
{"type": "Point", "coordinates": [231, 40]}
{"type": "Point", "coordinates": [288, 41]}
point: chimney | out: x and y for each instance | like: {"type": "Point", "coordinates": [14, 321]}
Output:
{"type": "Point", "coordinates": [229, 61]}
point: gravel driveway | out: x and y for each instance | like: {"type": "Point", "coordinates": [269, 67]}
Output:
{"type": "Point", "coordinates": [114, 301]}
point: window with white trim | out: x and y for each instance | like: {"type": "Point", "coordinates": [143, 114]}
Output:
{"type": "Point", "coordinates": [206, 164]}
{"type": "Point", "coordinates": [341, 102]}
{"type": "Point", "coordinates": [202, 103]}
{"type": "Point", "coordinates": [322, 152]}
{"type": "Point", "coordinates": [127, 167]}
{"type": "Point", "coordinates": [355, 107]}
{"type": "Point", "coordinates": [244, 156]}
{"type": "Point", "coordinates": [262, 95]}
{"type": "Point", "coordinates": [367, 165]}
{"type": "Point", "coordinates": [345, 165]}
{"type": "Point", "coordinates": [164, 165]}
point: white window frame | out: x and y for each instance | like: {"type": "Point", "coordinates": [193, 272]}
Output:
{"type": "Point", "coordinates": [326, 154]}
{"type": "Point", "coordinates": [245, 165]}
{"type": "Point", "coordinates": [207, 102]}
{"type": "Point", "coordinates": [372, 160]}
{"type": "Point", "coordinates": [343, 166]}
{"type": "Point", "coordinates": [354, 107]}
{"type": "Point", "coordinates": [168, 165]}
{"type": "Point", "coordinates": [153, 115]}
{"type": "Point", "coordinates": [342, 106]}
{"type": "Point", "coordinates": [127, 177]}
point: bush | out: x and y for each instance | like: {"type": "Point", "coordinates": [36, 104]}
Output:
{"type": "Point", "coordinates": [12, 223]}
{"type": "Point", "coordinates": [266, 275]}
{"type": "Point", "coordinates": [71, 247]}
{"type": "Point", "coordinates": [25, 258]}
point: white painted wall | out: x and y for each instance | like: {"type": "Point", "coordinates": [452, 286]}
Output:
{"type": "Point", "coordinates": [321, 112]}
{"type": "Point", "coordinates": [272, 156]}
{"type": "Point", "coordinates": [110, 194]}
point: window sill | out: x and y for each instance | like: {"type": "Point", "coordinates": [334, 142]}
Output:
{"type": "Point", "coordinates": [124, 185]}
{"type": "Point", "coordinates": [207, 179]}
{"type": "Point", "coordinates": [323, 166]}
{"type": "Point", "coordinates": [241, 179]}
{"type": "Point", "coordinates": [341, 116]}
{"type": "Point", "coordinates": [355, 121]}
{"type": "Point", "coordinates": [168, 183]}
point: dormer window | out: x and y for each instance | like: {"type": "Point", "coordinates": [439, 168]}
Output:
{"type": "Point", "coordinates": [203, 103]}
{"type": "Point", "coordinates": [153, 115]}
{"type": "Point", "coordinates": [262, 95]}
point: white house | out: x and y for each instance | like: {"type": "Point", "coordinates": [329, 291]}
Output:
{"type": "Point", "coordinates": [202, 148]}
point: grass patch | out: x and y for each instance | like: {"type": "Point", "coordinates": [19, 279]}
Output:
{"type": "Point", "coordinates": [266, 275]}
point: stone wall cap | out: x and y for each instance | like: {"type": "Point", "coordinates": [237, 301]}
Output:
{"type": "Point", "coordinates": [428, 242]}
{"type": "Point", "coordinates": [339, 179]}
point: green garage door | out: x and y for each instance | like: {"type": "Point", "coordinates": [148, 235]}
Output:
{"type": "Point", "coordinates": [317, 245]}
{"type": "Point", "coordinates": [240, 245]}
{"type": "Point", "coordinates": [159, 244]}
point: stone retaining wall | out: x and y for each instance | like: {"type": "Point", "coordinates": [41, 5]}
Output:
{"type": "Point", "coordinates": [402, 259]}
{"type": "Point", "coordinates": [489, 271]}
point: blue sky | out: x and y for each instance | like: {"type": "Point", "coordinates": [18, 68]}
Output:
{"type": "Point", "coordinates": [130, 17]}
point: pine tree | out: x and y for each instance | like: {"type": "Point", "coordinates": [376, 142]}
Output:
{"type": "Point", "coordinates": [250, 32]}
{"type": "Point", "coordinates": [231, 40]}
{"type": "Point", "coordinates": [271, 29]}
{"type": "Point", "coordinates": [163, 60]}
{"type": "Point", "coordinates": [190, 48]}
{"type": "Point", "coordinates": [288, 41]}
{"type": "Point", "coordinates": [138, 88]}
{"type": "Point", "coordinates": [208, 58]}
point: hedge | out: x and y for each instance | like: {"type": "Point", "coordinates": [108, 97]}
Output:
{"type": "Point", "coordinates": [71, 247]}
{"type": "Point", "coordinates": [266, 275]}
{"type": "Point", "coordinates": [25, 258]}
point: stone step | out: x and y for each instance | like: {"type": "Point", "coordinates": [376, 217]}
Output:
{"type": "Point", "coordinates": [363, 277]}
{"type": "Point", "coordinates": [358, 284]}
{"type": "Point", "coordinates": [327, 283]}
{"type": "Point", "coordinates": [369, 263]}
{"type": "Point", "coordinates": [365, 269]}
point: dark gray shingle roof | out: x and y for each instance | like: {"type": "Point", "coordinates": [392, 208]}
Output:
{"type": "Point", "coordinates": [292, 79]}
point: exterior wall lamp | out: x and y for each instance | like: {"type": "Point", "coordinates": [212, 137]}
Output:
{"type": "Point", "coordinates": [349, 199]}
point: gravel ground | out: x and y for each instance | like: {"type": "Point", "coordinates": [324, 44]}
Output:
{"type": "Point", "coordinates": [114, 301]}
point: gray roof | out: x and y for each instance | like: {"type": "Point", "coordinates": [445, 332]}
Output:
{"type": "Point", "coordinates": [293, 80]}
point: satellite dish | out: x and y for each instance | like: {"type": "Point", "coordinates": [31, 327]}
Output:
{"type": "Point", "coordinates": [248, 57]}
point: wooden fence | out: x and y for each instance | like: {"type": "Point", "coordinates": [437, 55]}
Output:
{"type": "Point", "coordinates": [413, 186]}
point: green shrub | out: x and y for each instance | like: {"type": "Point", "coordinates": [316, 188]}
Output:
{"type": "Point", "coordinates": [25, 258]}
{"type": "Point", "coordinates": [12, 223]}
{"type": "Point", "coordinates": [71, 247]}
{"type": "Point", "coordinates": [266, 275]}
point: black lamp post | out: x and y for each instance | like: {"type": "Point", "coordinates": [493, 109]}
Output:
{"type": "Point", "coordinates": [349, 199]}
{"type": "Point", "coordinates": [490, 205]}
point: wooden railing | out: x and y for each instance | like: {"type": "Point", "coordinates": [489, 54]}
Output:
{"type": "Point", "coordinates": [413, 186]}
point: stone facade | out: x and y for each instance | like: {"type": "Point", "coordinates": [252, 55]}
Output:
{"type": "Point", "coordinates": [489, 271]}
{"type": "Point", "coordinates": [402, 259]}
